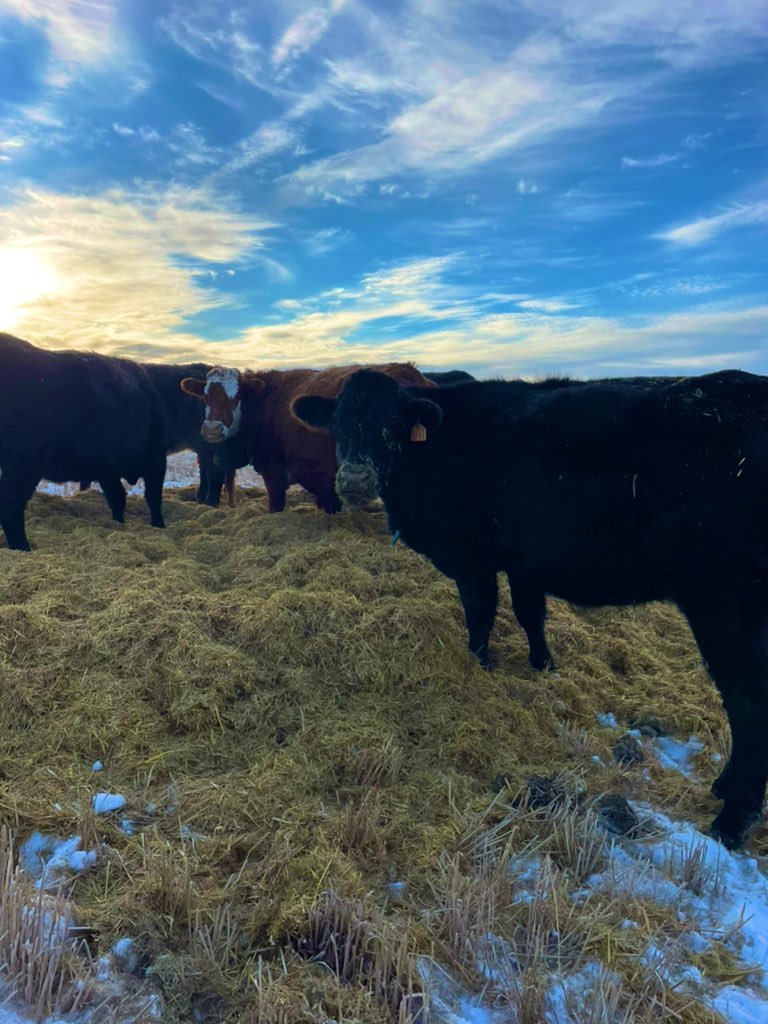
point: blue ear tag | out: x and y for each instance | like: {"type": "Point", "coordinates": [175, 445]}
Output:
{"type": "Point", "coordinates": [395, 538]}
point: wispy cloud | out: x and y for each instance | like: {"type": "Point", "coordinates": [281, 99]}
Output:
{"type": "Point", "coordinates": [548, 305]}
{"type": "Point", "coordinates": [650, 161]}
{"type": "Point", "coordinates": [9, 146]}
{"type": "Point", "coordinates": [80, 34]}
{"type": "Point", "coordinates": [684, 33]}
{"type": "Point", "coordinates": [104, 271]}
{"type": "Point", "coordinates": [705, 229]}
{"type": "Point", "coordinates": [223, 41]}
{"type": "Point", "coordinates": [328, 239]}
{"type": "Point", "coordinates": [307, 29]}
{"type": "Point", "coordinates": [482, 116]}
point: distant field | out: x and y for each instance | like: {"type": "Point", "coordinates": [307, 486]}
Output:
{"type": "Point", "coordinates": [182, 472]}
{"type": "Point", "coordinates": [321, 820]}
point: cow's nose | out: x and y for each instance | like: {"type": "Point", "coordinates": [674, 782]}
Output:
{"type": "Point", "coordinates": [357, 483]}
{"type": "Point", "coordinates": [213, 431]}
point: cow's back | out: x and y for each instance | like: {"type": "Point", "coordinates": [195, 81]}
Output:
{"type": "Point", "coordinates": [603, 492]}
{"type": "Point", "coordinates": [75, 415]}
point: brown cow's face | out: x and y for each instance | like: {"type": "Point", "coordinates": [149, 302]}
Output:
{"type": "Point", "coordinates": [221, 393]}
{"type": "Point", "coordinates": [222, 404]}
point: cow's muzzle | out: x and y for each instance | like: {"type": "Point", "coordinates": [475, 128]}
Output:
{"type": "Point", "coordinates": [214, 431]}
{"type": "Point", "coordinates": [357, 483]}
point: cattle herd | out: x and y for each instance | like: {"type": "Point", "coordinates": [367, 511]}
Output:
{"type": "Point", "coordinates": [614, 491]}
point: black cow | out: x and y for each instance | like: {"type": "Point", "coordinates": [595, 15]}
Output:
{"type": "Point", "coordinates": [76, 416]}
{"type": "Point", "coordinates": [444, 378]}
{"type": "Point", "coordinates": [609, 492]}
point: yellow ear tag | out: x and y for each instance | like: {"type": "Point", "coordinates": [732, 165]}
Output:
{"type": "Point", "coordinates": [418, 432]}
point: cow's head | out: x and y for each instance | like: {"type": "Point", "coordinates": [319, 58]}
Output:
{"type": "Point", "coordinates": [372, 420]}
{"type": "Point", "coordinates": [222, 393]}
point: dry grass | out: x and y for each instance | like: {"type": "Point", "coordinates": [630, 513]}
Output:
{"type": "Point", "coordinates": [295, 698]}
{"type": "Point", "coordinates": [38, 956]}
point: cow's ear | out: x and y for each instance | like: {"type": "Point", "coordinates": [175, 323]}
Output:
{"type": "Point", "coordinates": [314, 410]}
{"type": "Point", "coordinates": [425, 414]}
{"type": "Point", "coordinates": [252, 385]}
{"type": "Point", "coordinates": [194, 387]}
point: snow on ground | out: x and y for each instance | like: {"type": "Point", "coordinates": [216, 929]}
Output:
{"type": "Point", "coordinates": [672, 753]}
{"type": "Point", "coordinates": [181, 472]}
{"type": "Point", "coordinates": [668, 751]}
{"type": "Point", "coordinates": [50, 860]}
{"type": "Point", "coordinates": [720, 897]}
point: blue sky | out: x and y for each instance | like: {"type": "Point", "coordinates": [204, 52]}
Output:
{"type": "Point", "coordinates": [515, 188]}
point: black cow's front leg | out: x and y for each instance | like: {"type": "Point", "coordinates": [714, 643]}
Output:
{"type": "Point", "coordinates": [478, 591]}
{"type": "Point", "coordinates": [114, 492]}
{"type": "Point", "coordinates": [16, 488]}
{"type": "Point", "coordinates": [154, 477]}
{"type": "Point", "coordinates": [202, 488]}
{"type": "Point", "coordinates": [530, 608]}
{"type": "Point", "coordinates": [732, 640]}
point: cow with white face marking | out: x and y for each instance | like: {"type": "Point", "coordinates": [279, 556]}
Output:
{"type": "Point", "coordinates": [604, 492]}
{"type": "Point", "coordinates": [221, 392]}
{"type": "Point", "coordinates": [253, 410]}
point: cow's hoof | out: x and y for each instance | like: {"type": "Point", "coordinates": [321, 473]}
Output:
{"type": "Point", "coordinates": [730, 830]}
{"type": "Point", "coordinates": [542, 664]}
{"type": "Point", "coordinates": [719, 787]}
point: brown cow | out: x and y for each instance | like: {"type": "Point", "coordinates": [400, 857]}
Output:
{"type": "Point", "coordinates": [256, 407]}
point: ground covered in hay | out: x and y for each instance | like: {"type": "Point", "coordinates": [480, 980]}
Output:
{"type": "Point", "coordinates": [327, 802]}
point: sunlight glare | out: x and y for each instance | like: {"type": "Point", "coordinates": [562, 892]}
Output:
{"type": "Point", "coordinates": [24, 277]}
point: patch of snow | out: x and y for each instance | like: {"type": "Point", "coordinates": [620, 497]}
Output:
{"type": "Point", "coordinates": [449, 1003]}
{"type": "Point", "coordinates": [606, 719]}
{"type": "Point", "coordinates": [672, 753]}
{"type": "Point", "coordinates": [124, 950]}
{"type": "Point", "coordinates": [570, 998]}
{"type": "Point", "coordinates": [103, 803]}
{"type": "Point", "coordinates": [740, 1005]}
{"type": "Point", "coordinates": [49, 859]}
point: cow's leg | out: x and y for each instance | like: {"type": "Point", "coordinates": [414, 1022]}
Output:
{"type": "Point", "coordinates": [530, 608]}
{"type": "Point", "coordinates": [327, 501]}
{"type": "Point", "coordinates": [202, 488]}
{"type": "Point", "coordinates": [734, 646]}
{"type": "Point", "coordinates": [154, 477]}
{"type": "Point", "coordinates": [479, 594]}
{"type": "Point", "coordinates": [114, 492]}
{"type": "Point", "coordinates": [211, 482]}
{"type": "Point", "coordinates": [16, 488]}
{"type": "Point", "coordinates": [276, 482]}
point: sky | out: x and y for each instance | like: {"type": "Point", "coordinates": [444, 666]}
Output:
{"type": "Point", "coordinates": [512, 188]}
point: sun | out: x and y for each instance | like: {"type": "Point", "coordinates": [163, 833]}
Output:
{"type": "Point", "coordinates": [24, 278]}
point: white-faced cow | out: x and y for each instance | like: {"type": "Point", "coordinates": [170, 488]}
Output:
{"type": "Point", "coordinates": [599, 493]}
